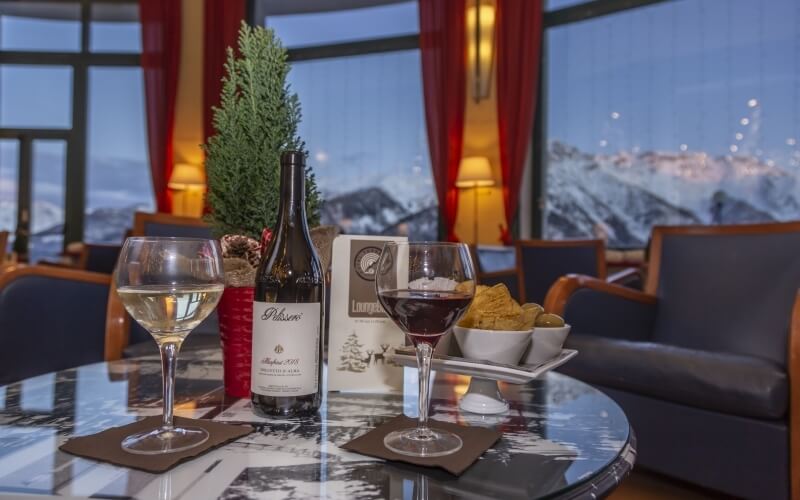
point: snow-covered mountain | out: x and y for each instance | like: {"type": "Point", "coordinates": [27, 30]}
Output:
{"type": "Point", "coordinates": [623, 195]}
{"type": "Point", "coordinates": [373, 210]}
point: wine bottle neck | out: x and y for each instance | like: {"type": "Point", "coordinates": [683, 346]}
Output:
{"type": "Point", "coordinates": [293, 195]}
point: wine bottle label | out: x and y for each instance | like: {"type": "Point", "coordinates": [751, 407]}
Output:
{"type": "Point", "coordinates": [285, 349]}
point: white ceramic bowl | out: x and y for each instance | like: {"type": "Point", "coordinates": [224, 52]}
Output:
{"type": "Point", "coordinates": [499, 346]}
{"type": "Point", "coordinates": [546, 344]}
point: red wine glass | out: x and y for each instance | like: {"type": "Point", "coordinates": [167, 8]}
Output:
{"type": "Point", "coordinates": [425, 288]}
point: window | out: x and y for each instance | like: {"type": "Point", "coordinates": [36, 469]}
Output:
{"type": "Point", "coordinates": [40, 26]}
{"type": "Point", "coordinates": [71, 105]}
{"type": "Point", "coordinates": [317, 28]}
{"type": "Point", "coordinates": [118, 176]}
{"type": "Point", "coordinates": [683, 112]}
{"type": "Point", "coordinates": [35, 96]}
{"type": "Point", "coordinates": [363, 118]}
{"type": "Point", "coordinates": [115, 28]}
{"type": "Point", "coordinates": [47, 216]}
{"type": "Point", "coordinates": [9, 159]}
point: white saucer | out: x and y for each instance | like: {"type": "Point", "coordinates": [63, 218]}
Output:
{"type": "Point", "coordinates": [520, 374]}
{"type": "Point", "coordinates": [483, 396]}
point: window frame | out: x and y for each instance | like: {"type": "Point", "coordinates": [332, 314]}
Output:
{"type": "Point", "coordinates": [77, 135]}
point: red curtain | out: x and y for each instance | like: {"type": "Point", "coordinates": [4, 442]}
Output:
{"type": "Point", "coordinates": [443, 48]}
{"type": "Point", "coordinates": [222, 19]}
{"type": "Point", "coordinates": [161, 48]}
{"type": "Point", "coordinates": [518, 29]}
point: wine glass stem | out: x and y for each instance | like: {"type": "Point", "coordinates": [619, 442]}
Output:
{"type": "Point", "coordinates": [424, 352]}
{"type": "Point", "coordinates": [169, 358]}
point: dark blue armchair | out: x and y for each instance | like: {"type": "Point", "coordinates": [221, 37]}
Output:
{"type": "Point", "coordinates": [703, 360]}
{"type": "Point", "coordinates": [50, 319]}
{"type": "Point", "coordinates": [541, 262]}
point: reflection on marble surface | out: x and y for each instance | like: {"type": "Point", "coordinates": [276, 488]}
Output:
{"type": "Point", "coordinates": [561, 437]}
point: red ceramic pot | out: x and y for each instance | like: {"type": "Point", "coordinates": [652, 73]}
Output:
{"type": "Point", "coordinates": [235, 311]}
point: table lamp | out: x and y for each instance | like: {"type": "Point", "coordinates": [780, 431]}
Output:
{"type": "Point", "coordinates": [190, 182]}
{"type": "Point", "coordinates": [475, 172]}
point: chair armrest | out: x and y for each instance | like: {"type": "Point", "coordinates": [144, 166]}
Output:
{"type": "Point", "coordinates": [793, 360]}
{"type": "Point", "coordinates": [595, 307]}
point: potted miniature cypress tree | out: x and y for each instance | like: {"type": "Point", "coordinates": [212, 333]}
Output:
{"type": "Point", "coordinates": [257, 119]}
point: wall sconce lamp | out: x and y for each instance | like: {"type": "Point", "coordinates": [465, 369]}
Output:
{"type": "Point", "coordinates": [475, 172]}
{"type": "Point", "coordinates": [480, 29]}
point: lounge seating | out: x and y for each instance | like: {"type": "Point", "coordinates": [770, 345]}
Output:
{"type": "Point", "coordinates": [50, 319]}
{"type": "Point", "coordinates": [541, 262]}
{"type": "Point", "coordinates": [702, 361]}
{"type": "Point", "coordinates": [146, 224]}
{"type": "Point", "coordinates": [98, 258]}
{"type": "Point", "coordinates": [496, 265]}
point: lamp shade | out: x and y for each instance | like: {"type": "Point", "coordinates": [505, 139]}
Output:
{"type": "Point", "coordinates": [186, 175]}
{"type": "Point", "coordinates": [474, 171]}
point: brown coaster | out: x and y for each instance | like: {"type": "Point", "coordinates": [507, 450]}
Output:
{"type": "Point", "coordinates": [476, 441]}
{"type": "Point", "coordinates": [106, 446]}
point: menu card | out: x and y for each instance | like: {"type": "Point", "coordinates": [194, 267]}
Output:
{"type": "Point", "coordinates": [361, 334]}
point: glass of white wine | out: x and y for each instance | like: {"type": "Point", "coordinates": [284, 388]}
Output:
{"type": "Point", "coordinates": [169, 285]}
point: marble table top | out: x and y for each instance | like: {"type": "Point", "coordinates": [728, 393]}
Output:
{"type": "Point", "coordinates": [561, 438]}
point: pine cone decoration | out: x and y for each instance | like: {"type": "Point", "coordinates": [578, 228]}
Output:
{"type": "Point", "coordinates": [241, 247]}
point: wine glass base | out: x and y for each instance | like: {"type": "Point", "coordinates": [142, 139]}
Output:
{"type": "Point", "coordinates": [428, 443]}
{"type": "Point", "coordinates": [161, 440]}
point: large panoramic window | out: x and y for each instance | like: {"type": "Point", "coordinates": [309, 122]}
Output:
{"type": "Point", "coordinates": [363, 117]}
{"type": "Point", "coordinates": [71, 107]}
{"type": "Point", "coordinates": [683, 112]}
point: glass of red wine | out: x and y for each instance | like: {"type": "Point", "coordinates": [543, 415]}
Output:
{"type": "Point", "coordinates": [425, 288]}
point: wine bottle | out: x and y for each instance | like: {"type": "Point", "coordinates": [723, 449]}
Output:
{"type": "Point", "coordinates": [286, 376]}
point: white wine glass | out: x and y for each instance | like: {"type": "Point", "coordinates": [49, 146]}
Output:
{"type": "Point", "coordinates": [425, 288]}
{"type": "Point", "coordinates": [169, 286]}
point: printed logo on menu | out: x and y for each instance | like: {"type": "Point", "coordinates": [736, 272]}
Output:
{"type": "Point", "coordinates": [362, 301]}
{"type": "Point", "coordinates": [278, 349]}
{"type": "Point", "coordinates": [366, 262]}
{"type": "Point", "coordinates": [275, 314]}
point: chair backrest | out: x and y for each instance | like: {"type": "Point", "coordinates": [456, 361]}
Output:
{"type": "Point", "coordinates": [145, 224]}
{"type": "Point", "coordinates": [726, 288]}
{"type": "Point", "coordinates": [99, 258]}
{"type": "Point", "coordinates": [160, 224]}
{"type": "Point", "coordinates": [492, 258]}
{"type": "Point", "coordinates": [541, 262]}
{"type": "Point", "coordinates": [50, 319]}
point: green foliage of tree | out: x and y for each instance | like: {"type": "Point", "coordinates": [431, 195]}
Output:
{"type": "Point", "coordinates": [257, 119]}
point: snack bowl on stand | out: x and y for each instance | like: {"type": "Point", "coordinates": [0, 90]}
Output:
{"type": "Point", "coordinates": [496, 346]}
{"type": "Point", "coordinates": [500, 340]}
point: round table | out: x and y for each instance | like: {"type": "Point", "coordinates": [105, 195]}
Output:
{"type": "Point", "coordinates": [561, 438]}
